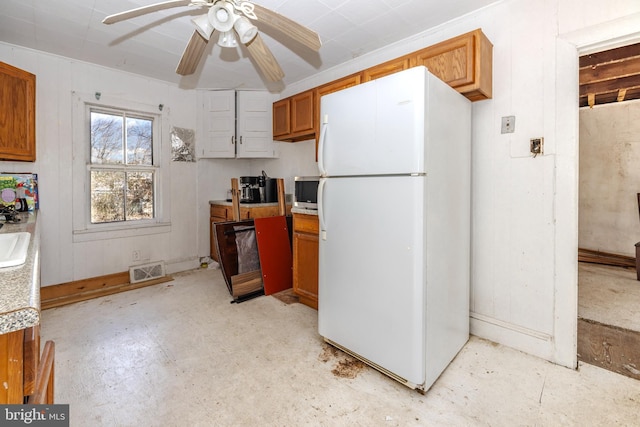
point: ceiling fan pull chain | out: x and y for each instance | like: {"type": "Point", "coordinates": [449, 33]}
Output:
{"type": "Point", "coordinates": [246, 8]}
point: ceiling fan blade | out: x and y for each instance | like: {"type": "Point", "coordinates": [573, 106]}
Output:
{"type": "Point", "coordinates": [111, 19]}
{"type": "Point", "coordinates": [264, 59]}
{"type": "Point", "coordinates": [192, 54]}
{"type": "Point", "coordinates": [291, 28]}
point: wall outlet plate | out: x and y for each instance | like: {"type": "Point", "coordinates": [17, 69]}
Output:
{"type": "Point", "coordinates": [508, 124]}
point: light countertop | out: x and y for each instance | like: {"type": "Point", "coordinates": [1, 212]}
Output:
{"type": "Point", "coordinates": [244, 205]}
{"type": "Point", "coordinates": [20, 285]}
{"type": "Point", "coordinates": [304, 211]}
{"type": "Point", "coordinates": [257, 205]}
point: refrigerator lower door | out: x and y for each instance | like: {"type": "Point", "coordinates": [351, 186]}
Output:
{"type": "Point", "coordinates": [371, 293]}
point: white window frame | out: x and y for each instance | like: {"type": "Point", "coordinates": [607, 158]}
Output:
{"type": "Point", "coordinates": [83, 228]}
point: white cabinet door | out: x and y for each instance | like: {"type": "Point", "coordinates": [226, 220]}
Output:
{"type": "Point", "coordinates": [236, 124]}
{"type": "Point", "coordinates": [219, 124]}
{"type": "Point", "coordinates": [255, 128]}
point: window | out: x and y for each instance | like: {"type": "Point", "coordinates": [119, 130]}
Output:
{"type": "Point", "coordinates": [122, 172]}
{"type": "Point", "coordinates": [120, 168]}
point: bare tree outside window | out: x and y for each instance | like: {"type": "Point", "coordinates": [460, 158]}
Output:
{"type": "Point", "coordinates": [122, 174]}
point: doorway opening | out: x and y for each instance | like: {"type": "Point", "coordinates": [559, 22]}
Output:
{"type": "Point", "coordinates": [609, 210]}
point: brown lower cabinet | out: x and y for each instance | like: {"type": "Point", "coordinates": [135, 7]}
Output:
{"type": "Point", "coordinates": [223, 211]}
{"type": "Point", "coordinates": [305, 258]}
{"type": "Point", "coordinates": [24, 375]}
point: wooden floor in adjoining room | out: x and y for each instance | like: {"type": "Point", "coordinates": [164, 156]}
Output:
{"type": "Point", "coordinates": [608, 318]}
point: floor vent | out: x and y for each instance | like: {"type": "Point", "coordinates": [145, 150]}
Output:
{"type": "Point", "coordinates": [141, 273]}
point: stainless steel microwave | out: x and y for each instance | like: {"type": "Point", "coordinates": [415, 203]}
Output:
{"type": "Point", "coordinates": [306, 192]}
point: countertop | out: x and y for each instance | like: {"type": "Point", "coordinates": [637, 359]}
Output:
{"type": "Point", "coordinates": [20, 285]}
{"type": "Point", "coordinates": [304, 211]}
{"type": "Point", "coordinates": [244, 205]}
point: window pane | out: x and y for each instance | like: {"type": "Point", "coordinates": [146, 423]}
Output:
{"type": "Point", "coordinates": [106, 138]}
{"type": "Point", "coordinates": [123, 190]}
{"type": "Point", "coordinates": [107, 196]}
{"type": "Point", "coordinates": [139, 195]}
{"type": "Point", "coordinates": [139, 139]}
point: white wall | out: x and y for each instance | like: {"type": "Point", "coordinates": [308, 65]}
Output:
{"type": "Point", "coordinates": [214, 177]}
{"type": "Point", "coordinates": [609, 177]}
{"type": "Point", "coordinates": [525, 210]}
{"type": "Point", "coordinates": [63, 260]}
{"type": "Point", "coordinates": [295, 159]}
{"type": "Point", "coordinates": [192, 185]}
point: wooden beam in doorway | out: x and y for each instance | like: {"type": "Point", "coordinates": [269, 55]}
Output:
{"type": "Point", "coordinates": [610, 347]}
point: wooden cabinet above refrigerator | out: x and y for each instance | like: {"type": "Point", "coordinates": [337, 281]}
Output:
{"type": "Point", "coordinates": [464, 62]}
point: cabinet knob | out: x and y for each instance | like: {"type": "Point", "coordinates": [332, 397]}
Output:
{"type": "Point", "coordinates": [232, 140]}
{"type": "Point", "coordinates": [240, 139]}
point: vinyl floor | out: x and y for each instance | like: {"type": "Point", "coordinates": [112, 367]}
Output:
{"type": "Point", "coordinates": [179, 354]}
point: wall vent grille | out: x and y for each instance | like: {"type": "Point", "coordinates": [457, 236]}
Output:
{"type": "Point", "coordinates": [141, 273]}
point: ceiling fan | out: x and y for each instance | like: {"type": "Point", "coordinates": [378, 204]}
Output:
{"type": "Point", "coordinates": [231, 19]}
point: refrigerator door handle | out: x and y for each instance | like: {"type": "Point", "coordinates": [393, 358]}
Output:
{"type": "Point", "coordinates": [323, 134]}
{"type": "Point", "coordinates": [321, 222]}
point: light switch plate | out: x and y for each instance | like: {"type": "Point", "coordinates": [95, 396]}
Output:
{"type": "Point", "coordinates": [508, 124]}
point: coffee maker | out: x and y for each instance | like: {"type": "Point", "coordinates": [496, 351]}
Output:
{"type": "Point", "coordinates": [268, 188]}
{"type": "Point", "coordinates": [249, 189]}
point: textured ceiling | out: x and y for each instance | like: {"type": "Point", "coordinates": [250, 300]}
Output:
{"type": "Point", "coordinates": [152, 45]}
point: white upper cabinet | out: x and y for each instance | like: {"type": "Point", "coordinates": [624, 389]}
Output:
{"type": "Point", "coordinates": [236, 124]}
{"type": "Point", "coordinates": [218, 124]}
{"type": "Point", "coordinates": [254, 127]}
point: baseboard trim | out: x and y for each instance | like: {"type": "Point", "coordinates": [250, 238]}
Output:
{"type": "Point", "coordinates": [606, 258]}
{"type": "Point", "coordinates": [533, 342]}
{"type": "Point", "coordinates": [95, 287]}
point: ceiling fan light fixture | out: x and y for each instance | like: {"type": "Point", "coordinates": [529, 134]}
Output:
{"type": "Point", "coordinates": [203, 26]}
{"type": "Point", "coordinates": [222, 16]}
{"type": "Point", "coordinates": [227, 39]}
{"type": "Point", "coordinates": [245, 29]}
{"type": "Point", "coordinates": [230, 19]}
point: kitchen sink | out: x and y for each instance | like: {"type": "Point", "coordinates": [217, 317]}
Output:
{"type": "Point", "coordinates": [13, 248]}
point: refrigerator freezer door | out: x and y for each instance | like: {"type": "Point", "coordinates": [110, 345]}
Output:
{"type": "Point", "coordinates": [372, 271]}
{"type": "Point", "coordinates": [376, 128]}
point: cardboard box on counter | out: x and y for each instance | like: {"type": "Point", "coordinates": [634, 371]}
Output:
{"type": "Point", "coordinates": [19, 186]}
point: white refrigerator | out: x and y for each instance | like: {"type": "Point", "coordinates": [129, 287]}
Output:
{"type": "Point", "coordinates": [394, 211]}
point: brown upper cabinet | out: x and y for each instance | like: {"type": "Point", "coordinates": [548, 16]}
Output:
{"type": "Point", "coordinates": [302, 111]}
{"type": "Point", "coordinates": [336, 85]}
{"type": "Point", "coordinates": [293, 117]}
{"type": "Point", "coordinates": [17, 114]}
{"type": "Point", "coordinates": [282, 119]}
{"type": "Point", "coordinates": [386, 68]}
{"type": "Point", "coordinates": [464, 62]}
